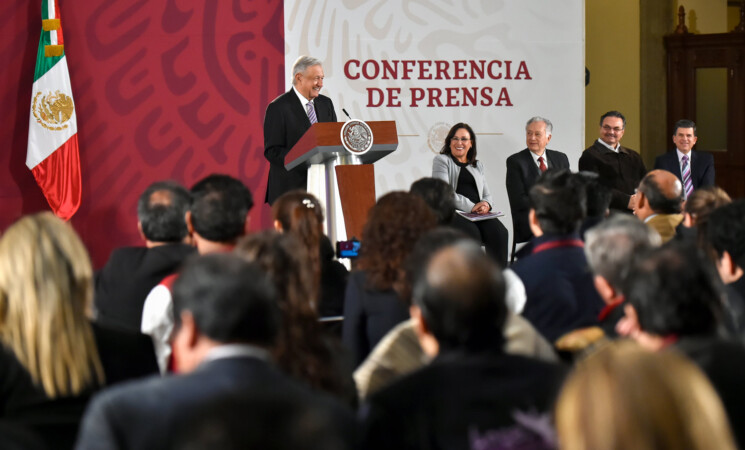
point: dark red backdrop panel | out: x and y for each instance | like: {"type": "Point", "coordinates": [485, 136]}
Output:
{"type": "Point", "coordinates": [168, 89]}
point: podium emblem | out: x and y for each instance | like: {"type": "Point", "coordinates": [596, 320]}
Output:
{"type": "Point", "coordinates": [356, 137]}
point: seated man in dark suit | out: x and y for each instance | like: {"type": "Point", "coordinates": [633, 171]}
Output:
{"type": "Point", "coordinates": [472, 393]}
{"type": "Point", "coordinates": [693, 168]}
{"type": "Point", "coordinates": [674, 300]}
{"type": "Point", "coordinates": [523, 169]}
{"type": "Point", "coordinates": [561, 295]}
{"type": "Point", "coordinates": [228, 318]}
{"type": "Point", "coordinates": [612, 249]}
{"type": "Point", "coordinates": [659, 201]}
{"type": "Point", "coordinates": [131, 272]}
{"type": "Point", "coordinates": [287, 119]}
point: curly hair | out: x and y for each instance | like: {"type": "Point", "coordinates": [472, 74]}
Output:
{"type": "Point", "coordinates": [300, 213]}
{"type": "Point", "coordinates": [393, 226]}
{"type": "Point", "coordinates": [300, 349]}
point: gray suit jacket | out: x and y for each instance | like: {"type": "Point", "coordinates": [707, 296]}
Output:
{"type": "Point", "coordinates": [444, 168]}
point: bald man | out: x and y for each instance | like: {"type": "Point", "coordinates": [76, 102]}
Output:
{"type": "Point", "coordinates": [659, 201]}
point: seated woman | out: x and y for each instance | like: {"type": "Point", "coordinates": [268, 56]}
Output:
{"type": "Point", "coordinates": [457, 165]}
{"type": "Point", "coordinates": [302, 350]}
{"type": "Point", "coordinates": [300, 213]}
{"type": "Point", "coordinates": [52, 358]}
{"type": "Point", "coordinates": [373, 304]}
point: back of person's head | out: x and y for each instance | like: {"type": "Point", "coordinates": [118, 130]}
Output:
{"type": "Point", "coordinates": [393, 226]}
{"type": "Point", "coordinates": [426, 246]}
{"type": "Point", "coordinates": [461, 298]}
{"type": "Point", "coordinates": [46, 292]}
{"type": "Point", "coordinates": [559, 201]}
{"type": "Point", "coordinates": [161, 210]}
{"type": "Point", "coordinates": [663, 199]}
{"type": "Point", "coordinates": [675, 292]}
{"type": "Point", "coordinates": [624, 397]}
{"type": "Point", "coordinates": [438, 195]}
{"type": "Point", "coordinates": [598, 194]}
{"type": "Point", "coordinates": [726, 231]}
{"type": "Point", "coordinates": [219, 208]}
{"type": "Point", "coordinates": [230, 299]}
{"type": "Point", "coordinates": [614, 246]}
{"type": "Point", "coordinates": [699, 206]}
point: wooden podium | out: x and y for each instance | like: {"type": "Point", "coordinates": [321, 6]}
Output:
{"type": "Point", "coordinates": [343, 182]}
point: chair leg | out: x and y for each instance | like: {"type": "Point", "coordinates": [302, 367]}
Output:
{"type": "Point", "coordinates": [514, 247]}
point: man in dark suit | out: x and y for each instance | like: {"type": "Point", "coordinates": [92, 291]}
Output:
{"type": "Point", "coordinates": [560, 291]}
{"type": "Point", "coordinates": [693, 168]}
{"type": "Point", "coordinates": [523, 169]}
{"type": "Point", "coordinates": [620, 168]}
{"type": "Point", "coordinates": [287, 118]}
{"type": "Point", "coordinates": [473, 394]}
{"type": "Point", "coordinates": [131, 272]}
{"type": "Point", "coordinates": [229, 318]}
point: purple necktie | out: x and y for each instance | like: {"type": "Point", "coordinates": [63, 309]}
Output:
{"type": "Point", "coordinates": [686, 171]}
{"type": "Point", "coordinates": [312, 113]}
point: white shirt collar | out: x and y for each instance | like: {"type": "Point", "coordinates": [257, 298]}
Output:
{"type": "Point", "coordinates": [236, 351]}
{"type": "Point", "coordinates": [303, 101]}
{"type": "Point", "coordinates": [535, 158]}
{"type": "Point", "coordinates": [651, 216]}
{"type": "Point", "coordinates": [609, 147]}
{"type": "Point", "coordinates": [680, 157]}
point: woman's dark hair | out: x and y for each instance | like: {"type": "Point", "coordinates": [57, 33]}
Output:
{"type": "Point", "coordinates": [471, 155]}
{"type": "Point", "coordinates": [300, 350]}
{"type": "Point", "coordinates": [300, 213]}
{"type": "Point", "coordinates": [393, 226]}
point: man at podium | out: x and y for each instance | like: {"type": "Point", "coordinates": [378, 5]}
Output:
{"type": "Point", "coordinates": [287, 118]}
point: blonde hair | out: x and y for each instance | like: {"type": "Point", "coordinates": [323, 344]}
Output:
{"type": "Point", "coordinates": [624, 397]}
{"type": "Point", "coordinates": [45, 293]}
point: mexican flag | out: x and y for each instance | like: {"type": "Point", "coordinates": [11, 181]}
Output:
{"type": "Point", "coordinates": [52, 153]}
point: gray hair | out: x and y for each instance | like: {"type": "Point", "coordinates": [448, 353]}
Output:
{"type": "Point", "coordinates": [301, 65]}
{"type": "Point", "coordinates": [549, 125]}
{"type": "Point", "coordinates": [615, 245]}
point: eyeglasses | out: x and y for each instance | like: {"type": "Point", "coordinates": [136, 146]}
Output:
{"type": "Point", "coordinates": [463, 139]}
{"type": "Point", "coordinates": [616, 129]}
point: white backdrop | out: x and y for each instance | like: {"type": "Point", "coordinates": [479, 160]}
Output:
{"type": "Point", "coordinates": [542, 41]}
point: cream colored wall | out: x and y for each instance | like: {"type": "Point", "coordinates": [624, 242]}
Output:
{"type": "Point", "coordinates": [612, 55]}
{"type": "Point", "coordinates": [704, 16]}
{"type": "Point", "coordinates": [733, 17]}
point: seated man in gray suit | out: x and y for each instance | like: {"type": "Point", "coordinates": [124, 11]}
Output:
{"type": "Point", "coordinates": [523, 169]}
{"type": "Point", "coordinates": [693, 168]}
{"type": "Point", "coordinates": [228, 318]}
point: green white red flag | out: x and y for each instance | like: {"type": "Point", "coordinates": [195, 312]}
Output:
{"type": "Point", "coordinates": [52, 153]}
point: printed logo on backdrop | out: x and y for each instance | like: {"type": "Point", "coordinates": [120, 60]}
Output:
{"type": "Point", "coordinates": [356, 137]}
{"type": "Point", "coordinates": [53, 110]}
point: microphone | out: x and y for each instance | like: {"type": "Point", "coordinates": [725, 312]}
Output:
{"type": "Point", "coordinates": [346, 113]}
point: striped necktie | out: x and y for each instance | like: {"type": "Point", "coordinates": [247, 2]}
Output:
{"type": "Point", "coordinates": [312, 113]}
{"type": "Point", "coordinates": [686, 171]}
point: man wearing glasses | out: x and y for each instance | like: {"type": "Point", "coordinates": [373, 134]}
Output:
{"type": "Point", "coordinates": [619, 168]}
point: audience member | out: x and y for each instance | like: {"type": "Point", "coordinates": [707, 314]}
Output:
{"type": "Point", "coordinates": [52, 358]}
{"type": "Point", "coordinates": [300, 213]}
{"type": "Point", "coordinates": [613, 248]}
{"type": "Point", "coordinates": [560, 292]}
{"type": "Point", "coordinates": [697, 209]}
{"type": "Point", "coordinates": [438, 195]}
{"type": "Point", "coordinates": [726, 236]}
{"type": "Point", "coordinates": [472, 394]}
{"type": "Point", "coordinates": [624, 398]}
{"type": "Point", "coordinates": [217, 217]}
{"type": "Point", "coordinates": [131, 272]}
{"type": "Point", "coordinates": [620, 168]}
{"type": "Point", "coordinates": [301, 349]}
{"type": "Point", "coordinates": [399, 352]}
{"type": "Point", "coordinates": [675, 300]}
{"type": "Point", "coordinates": [598, 201]}
{"type": "Point", "coordinates": [523, 169]}
{"type": "Point", "coordinates": [694, 169]}
{"type": "Point", "coordinates": [228, 318]}
{"type": "Point", "coordinates": [373, 304]}
{"type": "Point", "coordinates": [659, 201]}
